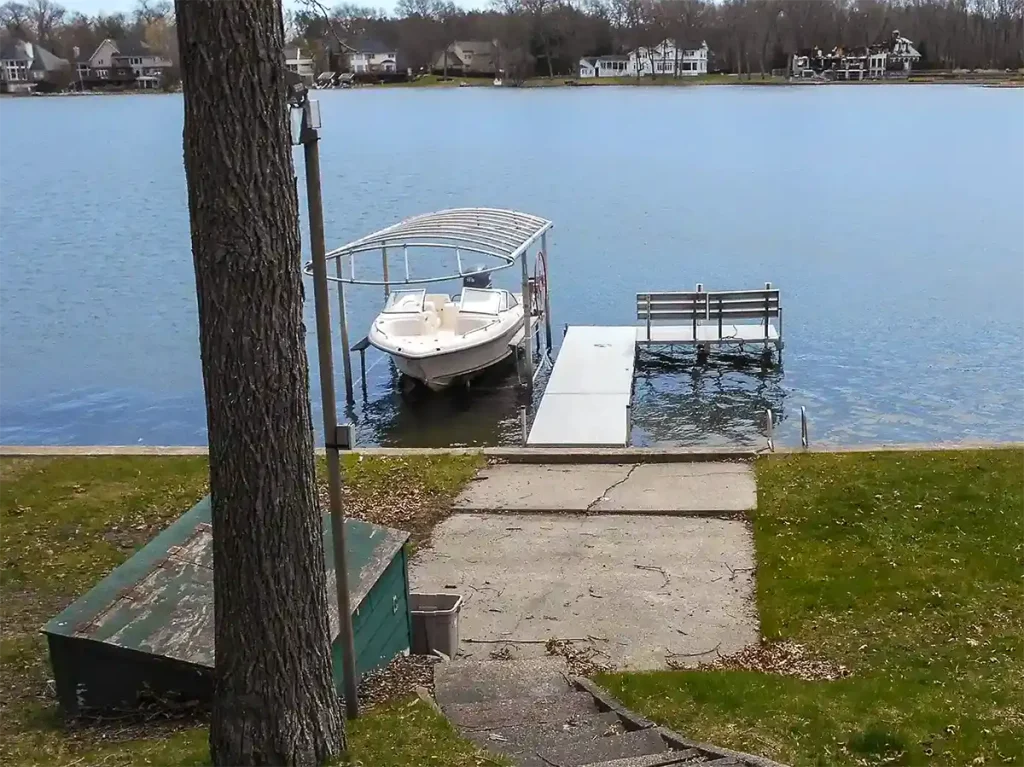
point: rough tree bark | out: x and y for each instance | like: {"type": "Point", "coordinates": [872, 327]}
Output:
{"type": "Point", "coordinates": [274, 701]}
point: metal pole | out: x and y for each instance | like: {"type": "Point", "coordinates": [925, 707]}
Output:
{"type": "Point", "coordinates": [523, 424]}
{"type": "Point", "coordinates": [311, 149]}
{"type": "Point", "coordinates": [343, 322]}
{"type": "Point", "coordinates": [387, 287]}
{"type": "Point", "coordinates": [547, 291]}
{"type": "Point", "coordinates": [771, 439]}
{"type": "Point", "coordinates": [527, 309]}
{"type": "Point", "coordinates": [804, 440]}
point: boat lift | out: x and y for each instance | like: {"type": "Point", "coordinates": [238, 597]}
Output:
{"type": "Point", "coordinates": [501, 236]}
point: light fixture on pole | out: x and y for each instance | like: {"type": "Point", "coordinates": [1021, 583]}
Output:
{"type": "Point", "coordinates": [305, 124]}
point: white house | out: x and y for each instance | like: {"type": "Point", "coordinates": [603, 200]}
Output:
{"type": "Point", "coordinates": [295, 61]}
{"type": "Point", "coordinates": [604, 66]}
{"type": "Point", "coordinates": [373, 56]}
{"type": "Point", "coordinates": [666, 58]}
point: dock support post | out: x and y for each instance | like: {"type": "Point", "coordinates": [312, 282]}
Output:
{"type": "Point", "coordinates": [310, 140]}
{"type": "Point", "coordinates": [547, 291]}
{"type": "Point", "coordinates": [770, 424]}
{"type": "Point", "coordinates": [343, 321]}
{"type": "Point", "coordinates": [804, 440]}
{"type": "Point", "coordinates": [523, 424]}
{"type": "Point", "coordinates": [527, 334]}
{"type": "Point", "coordinates": [648, 318]}
{"type": "Point", "coordinates": [387, 279]}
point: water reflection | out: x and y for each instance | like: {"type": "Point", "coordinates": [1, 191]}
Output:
{"type": "Point", "coordinates": [404, 413]}
{"type": "Point", "coordinates": [719, 401]}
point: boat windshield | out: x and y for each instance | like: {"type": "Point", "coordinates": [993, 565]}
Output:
{"type": "Point", "coordinates": [481, 301]}
{"type": "Point", "coordinates": [404, 301]}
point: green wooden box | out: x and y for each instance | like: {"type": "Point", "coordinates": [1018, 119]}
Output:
{"type": "Point", "coordinates": [146, 630]}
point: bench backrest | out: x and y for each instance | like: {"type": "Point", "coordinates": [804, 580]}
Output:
{"type": "Point", "coordinates": [719, 306]}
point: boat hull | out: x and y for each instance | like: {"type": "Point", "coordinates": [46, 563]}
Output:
{"type": "Point", "coordinates": [442, 370]}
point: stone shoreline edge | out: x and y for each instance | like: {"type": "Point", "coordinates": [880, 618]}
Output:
{"type": "Point", "coordinates": [521, 454]}
{"type": "Point", "coordinates": [633, 721]}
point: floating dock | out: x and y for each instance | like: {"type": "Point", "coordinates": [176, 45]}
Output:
{"type": "Point", "coordinates": [588, 398]}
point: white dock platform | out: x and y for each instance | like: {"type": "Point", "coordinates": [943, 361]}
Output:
{"type": "Point", "coordinates": [706, 334]}
{"type": "Point", "coordinates": [587, 399]}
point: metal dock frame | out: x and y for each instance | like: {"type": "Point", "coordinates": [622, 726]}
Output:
{"type": "Point", "coordinates": [711, 318]}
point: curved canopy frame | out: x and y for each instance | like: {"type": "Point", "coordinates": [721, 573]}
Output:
{"type": "Point", "coordinates": [504, 235]}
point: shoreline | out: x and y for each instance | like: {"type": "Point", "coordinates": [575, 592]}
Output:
{"type": "Point", "coordinates": [511, 454]}
{"type": "Point", "coordinates": [435, 81]}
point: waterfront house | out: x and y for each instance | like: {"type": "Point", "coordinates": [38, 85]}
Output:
{"type": "Point", "coordinates": [604, 66]}
{"type": "Point", "coordinates": [469, 58]}
{"type": "Point", "coordinates": [665, 59]}
{"type": "Point", "coordinates": [894, 58]}
{"type": "Point", "coordinates": [146, 64]}
{"type": "Point", "coordinates": [128, 62]}
{"type": "Point", "coordinates": [25, 67]}
{"type": "Point", "coordinates": [368, 56]}
{"type": "Point", "coordinates": [668, 58]}
{"type": "Point", "coordinates": [297, 61]}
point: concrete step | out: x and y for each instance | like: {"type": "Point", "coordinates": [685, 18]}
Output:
{"type": "Point", "coordinates": [527, 739]}
{"type": "Point", "coordinates": [667, 759]}
{"type": "Point", "coordinates": [690, 488]}
{"type": "Point", "coordinates": [502, 714]}
{"type": "Point", "coordinates": [471, 681]}
{"type": "Point", "coordinates": [583, 748]}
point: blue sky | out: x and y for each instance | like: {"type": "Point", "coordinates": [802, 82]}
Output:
{"type": "Point", "coordinates": [92, 7]}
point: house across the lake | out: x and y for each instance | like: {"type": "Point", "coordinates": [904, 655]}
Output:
{"type": "Point", "coordinates": [368, 55]}
{"type": "Point", "coordinates": [26, 67]}
{"type": "Point", "coordinates": [664, 59]}
{"type": "Point", "coordinates": [895, 58]}
{"type": "Point", "coordinates": [299, 62]}
{"type": "Point", "coordinates": [127, 63]}
{"type": "Point", "coordinates": [468, 58]}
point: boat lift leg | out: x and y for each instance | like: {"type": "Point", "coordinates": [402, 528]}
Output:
{"type": "Point", "coordinates": [527, 331]}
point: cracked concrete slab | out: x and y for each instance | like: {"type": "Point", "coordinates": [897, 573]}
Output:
{"type": "Point", "coordinates": [683, 488]}
{"type": "Point", "coordinates": [665, 488]}
{"type": "Point", "coordinates": [638, 590]}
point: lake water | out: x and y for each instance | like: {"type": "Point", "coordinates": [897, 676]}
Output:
{"type": "Point", "coordinates": [891, 217]}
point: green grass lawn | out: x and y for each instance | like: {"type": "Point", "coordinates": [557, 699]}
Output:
{"type": "Point", "coordinates": [907, 569]}
{"type": "Point", "coordinates": [66, 522]}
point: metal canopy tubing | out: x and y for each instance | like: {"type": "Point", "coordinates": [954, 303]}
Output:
{"type": "Point", "coordinates": [505, 235]}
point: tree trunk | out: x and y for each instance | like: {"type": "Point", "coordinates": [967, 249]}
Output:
{"type": "Point", "coordinates": [274, 699]}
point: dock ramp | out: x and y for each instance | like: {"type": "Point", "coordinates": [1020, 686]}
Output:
{"type": "Point", "coordinates": [587, 399]}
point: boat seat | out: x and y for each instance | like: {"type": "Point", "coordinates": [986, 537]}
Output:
{"type": "Point", "coordinates": [430, 320]}
{"type": "Point", "coordinates": [435, 301]}
{"type": "Point", "coordinates": [449, 316]}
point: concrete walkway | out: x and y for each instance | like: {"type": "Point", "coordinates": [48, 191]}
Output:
{"type": "Point", "coordinates": [639, 592]}
{"type": "Point", "coordinates": [632, 566]}
{"type": "Point", "coordinates": [648, 488]}
{"type": "Point", "coordinates": [632, 560]}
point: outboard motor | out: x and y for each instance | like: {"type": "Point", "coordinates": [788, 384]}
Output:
{"type": "Point", "coordinates": [477, 278]}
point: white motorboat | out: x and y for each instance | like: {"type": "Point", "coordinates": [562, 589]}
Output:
{"type": "Point", "coordinates": [438, 340]}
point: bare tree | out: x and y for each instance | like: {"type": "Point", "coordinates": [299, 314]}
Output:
{"type": "Point", "coordinates": [15, 19]}
{"type": "Point", "coordinates": [45, 17]}
{"type": "Point", "coordinates": [149, 11]}
{"type": "Point", "coordinates": [274, 700]}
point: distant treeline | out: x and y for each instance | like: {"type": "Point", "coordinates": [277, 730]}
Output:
{"type": "Point", "coordinates": [548, 37]}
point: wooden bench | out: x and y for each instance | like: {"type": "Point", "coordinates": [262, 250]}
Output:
{"type": "Point", "coordinates": [713, 316]}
